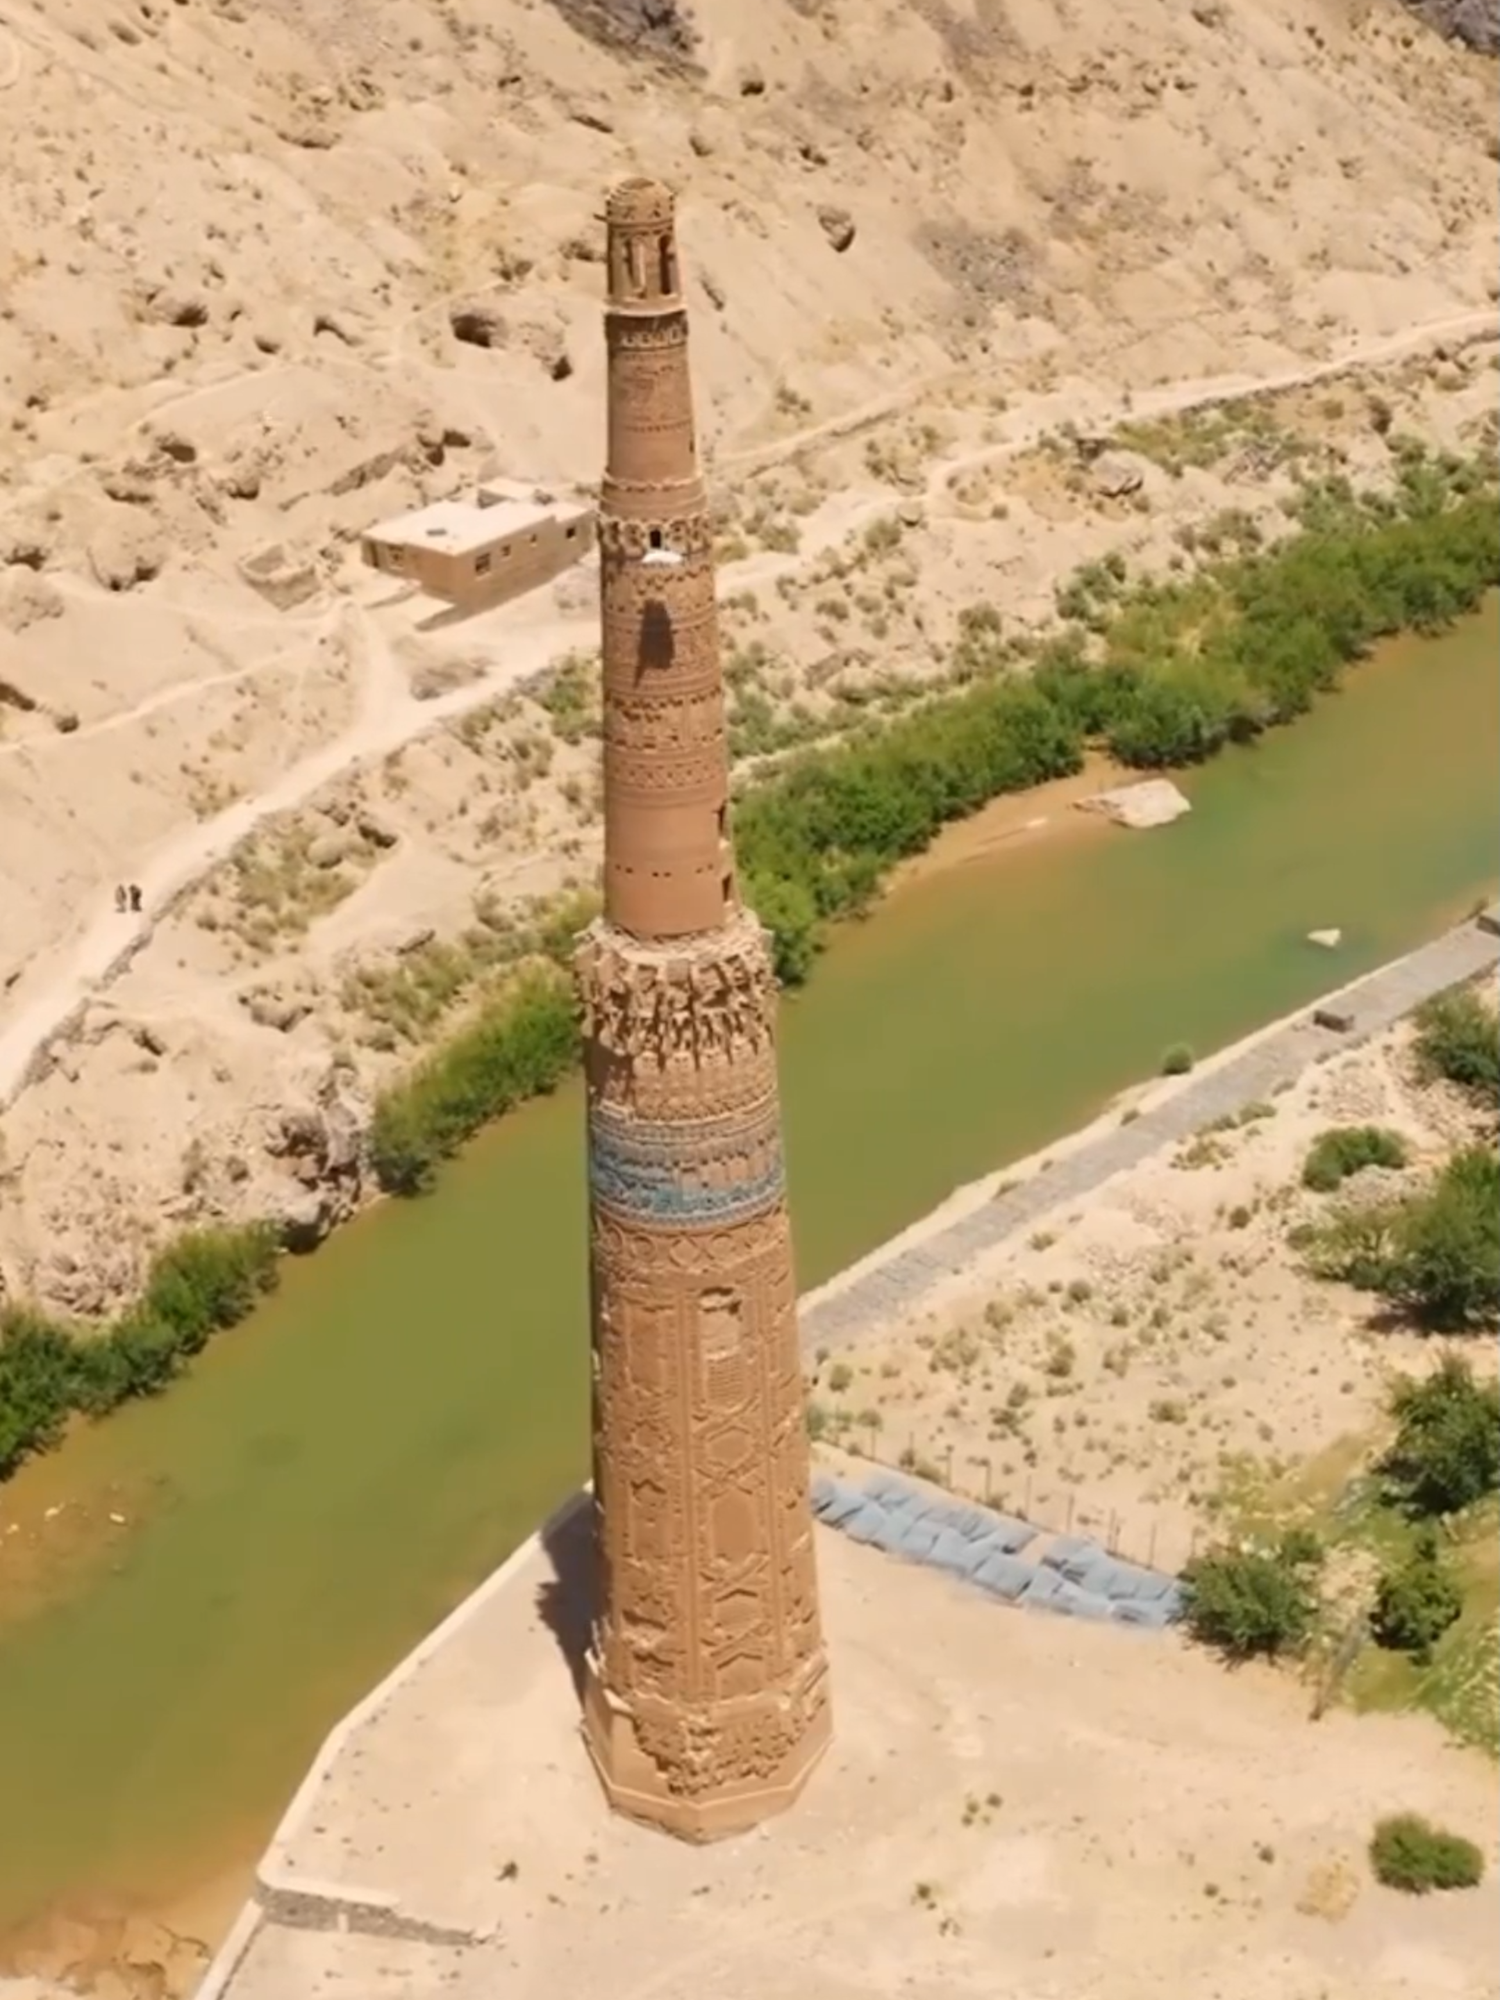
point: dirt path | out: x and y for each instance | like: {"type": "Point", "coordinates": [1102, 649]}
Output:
{"type": "Point", "coordinates": [391, 717]}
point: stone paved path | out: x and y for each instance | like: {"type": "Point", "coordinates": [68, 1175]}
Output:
{"type": "Point", "coordinates": [903, 1282]}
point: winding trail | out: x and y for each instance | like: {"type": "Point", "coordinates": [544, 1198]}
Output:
{"type": "Point", "coordinates": [391, 717]}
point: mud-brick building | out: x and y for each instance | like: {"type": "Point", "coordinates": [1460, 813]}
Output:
{"type": "Point", "coordinates": [483, 551]}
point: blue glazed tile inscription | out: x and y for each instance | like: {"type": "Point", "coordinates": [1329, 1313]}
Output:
{"type": "Point", "coordinates": [669, 1174]}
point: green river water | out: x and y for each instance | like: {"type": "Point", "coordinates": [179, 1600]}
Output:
{"type": "Point", "coordinates": [339, 1472]}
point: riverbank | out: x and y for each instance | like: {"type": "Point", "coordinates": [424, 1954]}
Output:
{"type": "Point", "coordinates": [222, 1074]}
{"type": "Point", "coordinates": [1246, 644]}
{"type": "Point", "coordinates": [1266, 1095]}
{"type": "Point", "coordinates": [162, 1689]}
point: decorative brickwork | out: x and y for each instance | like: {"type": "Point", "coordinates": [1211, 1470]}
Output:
{"type": "Point", "coordinates": [706, 1703]}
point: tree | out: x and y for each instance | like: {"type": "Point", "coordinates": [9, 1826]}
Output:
{"type": "Point", "coordinates": [1436, 1255]}
{"type": "Point", "coordinates": [1416, 1601]}
{"type": "Point", "coordinates": [1249, 1602]}
{"type": "Point", "coordinates": [1446, 1453]}
{"type": "Point", "coordinates": [1407, 1852]}
{"type": "Point", "coordinates": [1445, 1257]}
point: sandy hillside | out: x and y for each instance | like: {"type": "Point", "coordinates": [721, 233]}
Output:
{"type": "Point", "coordinates": [920, 238]}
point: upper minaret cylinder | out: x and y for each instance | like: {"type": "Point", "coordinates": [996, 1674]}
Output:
{"type": "Point", "coordinates": [668, 866]}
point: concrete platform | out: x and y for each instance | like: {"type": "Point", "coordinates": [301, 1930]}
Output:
{"type": "Point", "coordinates": [1013, 1805]}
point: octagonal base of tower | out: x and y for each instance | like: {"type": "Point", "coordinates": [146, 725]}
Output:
{"type": "Point", "coordinates": [741, 1786]}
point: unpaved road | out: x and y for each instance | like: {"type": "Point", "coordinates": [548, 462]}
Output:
{"type": "Point", "coordinates": [391, 717]}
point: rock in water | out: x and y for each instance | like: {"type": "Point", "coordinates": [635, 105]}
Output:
{"type": "Point", "coordinates": [1330, 939]}
{"type": "Point", "coordinates": [1153, 802]}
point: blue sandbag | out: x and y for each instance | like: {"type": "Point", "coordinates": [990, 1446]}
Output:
{"type": "Point", "coordinates": [887, 1488]}
{"type": "Point", "coordinates": [1012, 1535]}
{"type": "Point", "coordinates": [887, 1534]}
{"type": "Point", "coordinates": [1003, 1575]}
{"type": "Point", "coordinates": [917, 1537]}
{"type": "Point", "coordinates": [979, 1552]}
{"type": "Point", "coordinates": [1064, 1548]}
{"type": "Point", "coordinates": [950, 1551]}
{"type": "Point", "coordinates": [1043, 1586]}
{"type": "Point", "coordinates": [1131, 1611]}
{"type": "Point", "coordinates": [844, 1504]}
{"type": "Point", "coordinates": [867, 1524]}
{"type": "Point", "coordinates": [1076, 1603]}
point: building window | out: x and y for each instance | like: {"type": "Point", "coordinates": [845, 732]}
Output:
{"type": "Point", "coordinates": [571, 533]}
{"type": "Point", "coordinates": [654, 538]}
{"type": "Point", "coordinates": [723, 818]}
{"type": "Point", "coordinates": [668, 260]}
{"type": "Point", "coordinates": [637, 272]}
{"type": "Point", "coordinates": [482, 565]}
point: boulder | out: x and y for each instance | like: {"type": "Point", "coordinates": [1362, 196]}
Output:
{"type": "Point", "coordinates": [1117, 474]}
{"type": "Point", "coordinates": [837, 224]}
{"type": "Point", "coordinates": [1152, 802]}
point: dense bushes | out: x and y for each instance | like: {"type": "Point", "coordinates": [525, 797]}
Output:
{"type": "Point", "coordinates": [1435, 1255]}
{"type": "Point", "coordinates": [1458, 1037]}
{"type": "Point", "coordinates": [817, 841]}
{"type": "Point", "coordinates": [1249, 1602]}
{"type": "Point", "coordinates": [1416, 1600]}
{"type": "Point", "coordinates": [1177, 669]}
{"type": "Point", "coordinates": [521, 1046]}
{"type": "Point", "coordinates": [1446, 1452]}
{"type": "Point", "coordinates": [1345, 1150]}
{"type": "Point", "coordinates": [207, 1281]}
{"type": "Point", "coordinates": [1409, 1853]}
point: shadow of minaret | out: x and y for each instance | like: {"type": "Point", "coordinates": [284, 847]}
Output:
{"type": "Point", "coordinates": [566, 1598]}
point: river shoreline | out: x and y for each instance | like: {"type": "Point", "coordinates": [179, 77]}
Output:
{"type": "Point", "coordinates": [1231, 1079]}
{"type": "Point", "coordinates": [474, 1422]}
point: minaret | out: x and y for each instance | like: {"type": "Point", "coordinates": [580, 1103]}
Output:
{"type": "Point", "coordinates": [706, 1700]}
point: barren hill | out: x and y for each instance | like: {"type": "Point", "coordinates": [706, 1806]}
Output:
{"type": "Point", "coordinates": [271, 272]}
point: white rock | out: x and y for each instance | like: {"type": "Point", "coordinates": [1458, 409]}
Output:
{"type": "Point", "coordinates": [1152, 802]}
{"type": "Point", "coordinates": [1330, 940]}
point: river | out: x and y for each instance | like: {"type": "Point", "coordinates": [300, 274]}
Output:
{"type": "Point", "coordinates": [337, 1473]}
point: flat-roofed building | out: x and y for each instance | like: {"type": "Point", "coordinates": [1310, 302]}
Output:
{"type": "Point", "coordinates": [483, 551]}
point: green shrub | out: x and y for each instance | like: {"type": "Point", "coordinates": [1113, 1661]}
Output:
{"type": "Point", "coordinates": [206, 1281]}
{"type": "Point", "coordinates": [1435, 1255]}
{"type": "Point", "coordinates": [1446, 1452]}
{"type": "Point", "coordinates": [1458, 1037]}
{"type": "Point", "coordinates": [1177, 1061]}
{"type": "Point", "coordinates": [521, 1046]}
{"type": "Point", "coordinates": [1416, 1600]}
{"type": "Point", "coordinates": [1445, 1256]}
{"type": "Point", "coordinates": [1345, 1150]}
{"type": "Point", "coordinates": [1249, 1602]}
{"type": "Point", "coordinates": [1407, 1852]}
{"type": "Point", "coordinates": [816, 841]}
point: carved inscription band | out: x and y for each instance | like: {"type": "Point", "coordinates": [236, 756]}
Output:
{"type": "Point", "coordinates": [723, 1171]}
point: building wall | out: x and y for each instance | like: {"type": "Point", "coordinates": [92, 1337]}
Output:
{"type": "Point", "coordinates": [494, 573]}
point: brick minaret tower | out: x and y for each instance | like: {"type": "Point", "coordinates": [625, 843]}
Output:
{"type": "Point", "coordinates": [706, 1702]}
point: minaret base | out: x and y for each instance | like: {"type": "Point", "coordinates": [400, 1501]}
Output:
{"type": "Point", "coordinates": [708, 1773]}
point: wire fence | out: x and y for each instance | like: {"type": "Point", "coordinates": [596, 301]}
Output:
{"type": "Point", "coordinates": [1152, 1537]}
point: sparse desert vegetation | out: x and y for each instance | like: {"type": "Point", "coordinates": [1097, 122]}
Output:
{"type": "Point", "coordinates": [1179, 1366]}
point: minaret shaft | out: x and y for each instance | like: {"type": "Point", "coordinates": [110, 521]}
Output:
{"type": "Point", "coordinates": [668, 869]}
{"type": "Point", "coordinates": [706, 1701]}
